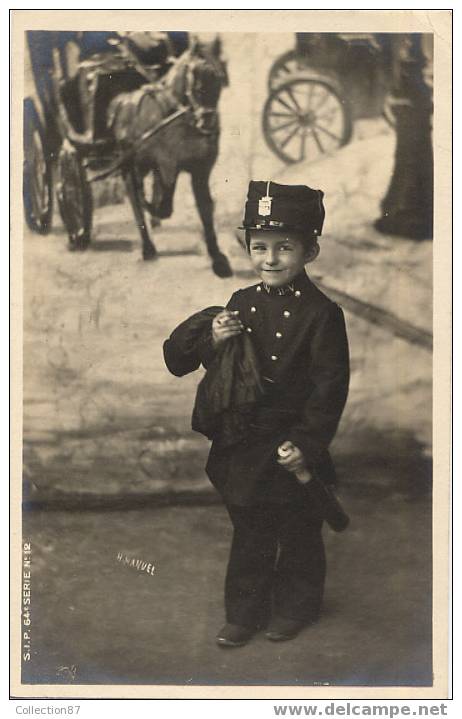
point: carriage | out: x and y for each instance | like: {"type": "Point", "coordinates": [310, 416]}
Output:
{"type": "Point", "coordinates": [318, 90]}
{"type": "Point", "coordinates": [101, 119]}
{"type": "Point", "coordinates": [64, 120]}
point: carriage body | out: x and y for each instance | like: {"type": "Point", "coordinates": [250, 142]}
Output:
{"type": "Point", "coordinates": [358, 63]}
{"type": "Point", "coordinates": [318, 90]}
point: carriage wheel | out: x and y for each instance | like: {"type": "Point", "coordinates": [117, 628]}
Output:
{"type": "Point", "coordinates": [288, 64]}
{"type": "Point", "coordinates": [74, 198]}
{"type": "Point", "coordinates": [37, 177]}
{"type": "Point", "coordinates": [304, 118]}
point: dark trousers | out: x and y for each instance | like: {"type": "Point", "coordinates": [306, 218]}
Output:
{"type": "Point", "coordinates": [277, 564]}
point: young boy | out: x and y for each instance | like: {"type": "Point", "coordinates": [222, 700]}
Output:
{"type": "Point", "coordinates": [276, 570]}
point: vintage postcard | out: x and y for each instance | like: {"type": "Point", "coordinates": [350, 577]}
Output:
{"type": "Point", "coordinates": [257, 203]}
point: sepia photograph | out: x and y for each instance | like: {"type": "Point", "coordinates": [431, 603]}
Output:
{"type": "Point", "coordinates": [231, 244]}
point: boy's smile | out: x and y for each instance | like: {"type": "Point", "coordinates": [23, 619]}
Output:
{"type": "Point", "coordinates": [277, 256]}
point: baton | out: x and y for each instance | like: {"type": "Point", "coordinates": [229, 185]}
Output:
{"type": "Point", "coordinates": [321, 495]}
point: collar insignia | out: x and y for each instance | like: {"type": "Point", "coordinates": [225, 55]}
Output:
{"type": "Point", "coordinates": [285, 290]}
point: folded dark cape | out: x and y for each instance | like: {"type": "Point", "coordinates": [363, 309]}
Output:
{"type": "Point", "coordinates": [231, 387]}
{"type": "Point", "coordinates": [227, 394]}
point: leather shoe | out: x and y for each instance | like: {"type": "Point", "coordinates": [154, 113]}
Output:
{"type": "Point", "coordinates": [281, 629]}
{"type": "Point", "coordinates": [234, 635]}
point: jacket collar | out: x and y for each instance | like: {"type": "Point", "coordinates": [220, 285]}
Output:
{"type": "Point", "coordinates": [298, 284]}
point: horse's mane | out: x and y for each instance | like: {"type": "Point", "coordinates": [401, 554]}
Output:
{"type": "Point", "coordinates": [175, 78]}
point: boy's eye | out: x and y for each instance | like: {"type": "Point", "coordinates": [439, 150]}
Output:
{"type": "Point", "coordinates": [263, 248]}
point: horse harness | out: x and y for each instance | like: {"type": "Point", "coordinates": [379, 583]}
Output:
{"type": "Point", "coordinates": [203, 118]}
{"type": "Point", "coordinates": [200, 112]}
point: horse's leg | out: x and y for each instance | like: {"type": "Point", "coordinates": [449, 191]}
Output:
{"type": "Point", "coordinates": [200, 185]}
{"type": "Point", "coordinates": [165, 208]}
{"type": "Point", "coordinates": [163, 190]}
{"type": "Point", "coordinates": [161, 205]}
{"type": "Point", "coordinates": [134, 190]}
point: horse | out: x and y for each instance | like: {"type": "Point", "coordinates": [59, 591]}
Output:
{"type": "Point", "coordinates": [188, 93]}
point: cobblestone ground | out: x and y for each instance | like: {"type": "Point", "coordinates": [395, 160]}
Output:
{"type": "Point", "coordinates": [95, 620]}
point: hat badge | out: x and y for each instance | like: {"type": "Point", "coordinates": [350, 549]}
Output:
{"type": "Point", "coordinates": [264, 203]}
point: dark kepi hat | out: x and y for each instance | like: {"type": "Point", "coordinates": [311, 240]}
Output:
{"type": "Point", "coordinates": [271, 206]}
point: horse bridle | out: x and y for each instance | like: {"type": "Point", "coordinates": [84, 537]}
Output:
{"type": "Point", "coordinates": [200, 112]}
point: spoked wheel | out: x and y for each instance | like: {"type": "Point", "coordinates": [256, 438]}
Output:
{"type": "Point", "coordinates": [37, 177]}
{"type": "Point", "coordinates": [288, 64]}
{"type": "Point", "coordinates": [306, 117]}
{"type": "Point", "coordinates": [74, 197]}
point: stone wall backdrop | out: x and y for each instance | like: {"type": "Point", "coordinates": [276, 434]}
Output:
{"type": "Point", "coordinates": [104, 420]}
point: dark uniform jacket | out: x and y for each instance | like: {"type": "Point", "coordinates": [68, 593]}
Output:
{"type": "Point", "coordinates": [299, 339]}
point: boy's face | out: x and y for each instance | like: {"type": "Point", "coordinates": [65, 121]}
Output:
{"type": "Point", "coordinates": [278, 256]}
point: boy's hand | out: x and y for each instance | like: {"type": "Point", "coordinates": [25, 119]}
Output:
{"type": "Point", "coordinates": [226, 324]}
{"type": "Point", "coordinates": [291, 458]}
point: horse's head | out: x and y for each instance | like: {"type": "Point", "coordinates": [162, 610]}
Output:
{"type": "Point", "coordinates": [197, 80]}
